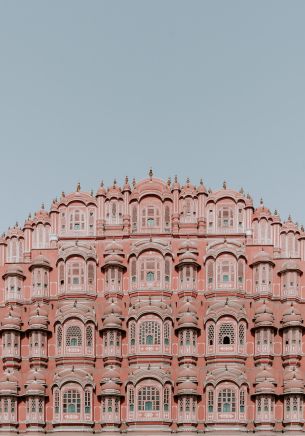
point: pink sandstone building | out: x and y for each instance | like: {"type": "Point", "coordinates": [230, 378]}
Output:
{"type": "Point", "coordinates": [152, 308]}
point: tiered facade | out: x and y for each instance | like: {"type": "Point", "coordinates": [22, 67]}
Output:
{"type": "Point", "coordinates": [152, 308]}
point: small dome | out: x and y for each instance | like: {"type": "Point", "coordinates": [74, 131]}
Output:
{"type": "Point", "coordinates": [38, 319]}
{"type": "Point", "coordinates": [262, 256]}
{"type": "Point", "coordinates": [187, 306]}
{"type": "Point", "coordinates": [265, 387]}
{"type": "Point", "coordinates": [187, 387]}
{"type": "Point", "coordinates": [13, 270]}
{"type": "Point", "coordinates": [110, 388]}
{"type": "Point", "coordinates": [113, 259]}
{"type": "Point", "coordinates": [291, 265]}
{"type": "Point", "coordinates": [264, 375]}
{"type": "Point", "coordinates": [112, 321]}
{"type": "Point", "coordinates": [8, 384]}
{"type": "Point", "coordinates": [101, 190]}
{"type": "Point", "coordinates": [263, 316]}
{"type": "Point", "coordinates": [114, 246]}
{"type": "Point", "coordinates": [187, 372]}
{"type": "Point", "coordinates": [112, 307]}
{"type": "Point", "coordinates": [292, 317]}
{"type": "Point", "coordinates": [11, 321]}
{"type": "Point", "coordinates": [35, 388]}
{"type": "Point", "coordinates": [188, 319]}
{"type": "Point", "coordinates": [112, 373]}
{"type": "Point", "coordinates": [40, 261]}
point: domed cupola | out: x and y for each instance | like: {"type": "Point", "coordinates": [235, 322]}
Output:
{"type": "Point", "coordinates": [38, 318]}
{"type": "Point", "coordinates": [263, 316]}
{"type": "Point", "coordinates": [292, 317]}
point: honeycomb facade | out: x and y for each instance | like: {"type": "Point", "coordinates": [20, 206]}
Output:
{"type": "Point", "coordinates": [152, 308]}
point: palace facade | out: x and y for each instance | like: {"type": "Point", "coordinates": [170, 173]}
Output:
{"type": "Point", "coordinates": [152, 308]}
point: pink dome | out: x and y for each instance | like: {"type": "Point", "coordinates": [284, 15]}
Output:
{"type": "Point", "coordinates": [187, 387]}
{"type": "Point", "coordinates": [292, 317]}
{"type": "Point", "coordinates": [263, 316]}
{"type": "Point", "coordinates": [40, 261]}
{"type": "Point", "coordinates": [11, 321]}
{"type": "Point", "coordinates": [291, 265]}
{"type": "Point", "coordinates": [112, 321]}
{"type": "Point", "coordinates": [187, 306]}
{"type": "Point", "coordinates": [112, 307]}
{"type": "Point", "coordinates": [188, 319]}
{"type": "Point", "coordinates": [188, 371]}
{"type": "Point", "coordinates": [262, 256]}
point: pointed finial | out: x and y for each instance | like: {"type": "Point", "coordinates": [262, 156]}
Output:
{"type": "Point", "coordinates": [114, 182]}
{"type": "Point", "coordinates": [63, 194]}
{"type": "Point", "coordinates": [241, 191]}
{"type": "Point", "coordinates": [102, 183]}
{"type": "Point", "coordinates": [126, 180]}
{"type": "Point", "coordinates": [224, 185]}
{"type": "Point", "coordinates": [150, 173]}
{"type": "Point", "coordinates": [188, 181]}
{"type": "Point", "coordinates": [289, 218]}
{"type": "Point", "coordinates": [78, 187]}
{"type": "Point", "coordinates": [134, 182]}
{"type": "Point", "coordinates": [30, 216]}
{"type": "Point", "coordinates": [91, 192]}
{"type": "Point", "coordinates": [169, 181]}
{"type": "Point", "coordinates": [275, 212]}
{"type": "Point", "coordinates": [201, 182]}
{"type": "Point", "coordinates": [302, 228]}
{"type": "Point", "coordinates": [42, 206]}
{"type": "Point", "coordinates": [17, 224]}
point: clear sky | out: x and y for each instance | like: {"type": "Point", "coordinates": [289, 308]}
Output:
{"type": "Point", "coordinates": [93, 90]}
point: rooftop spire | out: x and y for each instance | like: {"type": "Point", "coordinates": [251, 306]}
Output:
{"type": "Point", "coordinates": [150, 173]}
{"type": "Point", "coordinates": [78, 188]}
{"type": "Point", "coordinates": [224, 185]}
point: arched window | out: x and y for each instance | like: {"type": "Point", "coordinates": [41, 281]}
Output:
{"type": "Point", "coordinates": [166, 399]}
{"type": "Point", "coordinates": [210, 274]}
{"type": "Point", "coordinates": [59, 337]}
{"type": "Point", "coordinates": [226, 401]}
{"type": "Point", "coordinates": [241, 334]}
{"type": "Point", "coordinates": [71, 401]}
{"type": "Point", "coordinates": [211, 334]}
{"type": "Point", "coordinates": [133, 267]}
{"type": "Point", "coordinates": [89, 336]}
{"type": "Point", "coordinates": [150, 333]}
{"type": "Point", "coordinates": [225, 219]}
{"type": "Point", "coordinates": [132, 333]}
{"type": "Point", "coordinates": [150, 274]}
{"type": "Point", "coordinates": [226, 272]}
{"type": "Point", "coordinates": [149, 399]}
{"type": "Point", "coordinates": [91, 275]}
{"type": "Point", "coordinates": [167, 218]}
{"type": "Point", "coordinates": [74, 336]}
{"type": "Point", "coordinates": [76, 274]}
{"type": "Point", "coordinates": [226, 334]}
{"type": "Point", "coordinates": [77, 220]}
{"type": "Point", "coordinates": [134, 218]}
{"type": "Point", "coordinates": [240, 273]}
{"type": "Point", "coordinates": [150, 218]}
{"type": "Point", "coordinates": [166, 333]}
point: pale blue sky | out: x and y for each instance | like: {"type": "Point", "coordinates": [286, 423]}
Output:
{"type": "Point", "coordinates": [94, 90]}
